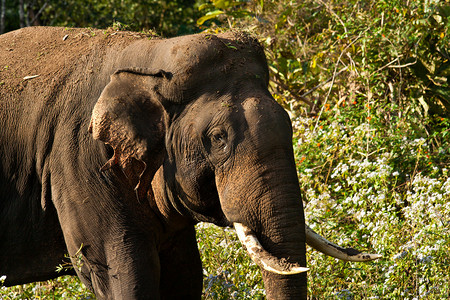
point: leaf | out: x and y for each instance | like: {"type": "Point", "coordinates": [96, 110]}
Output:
{"type": "Point", "coordinates": [231, 46]}
{"type": "Point", "coordinates": [225, 4]}
{"type": "Point", "coordinates": [222, 4]}
{"type": "Point", "coordinates": [240, 13]}
{"type": "Point", "coordinates": [420, 70]}
{"type": "Point", "coordinates": [444, 69]}
{"type": "Point", "coordinates": [444, 10]}
{"type": "Point", "coordinates": [444, 94]}
{"type": "Point", "coordinates": [209, 16]}
{"type": "Point", "coordinates": [424, 105]}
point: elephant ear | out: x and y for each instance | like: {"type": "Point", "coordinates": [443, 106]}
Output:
{"type": "Point", "coordinates": [129, 117]}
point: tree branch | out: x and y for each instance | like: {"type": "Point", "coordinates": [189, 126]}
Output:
{"type": "Point", "coordinates": [296, 97]}
{"type": "Point", "coordinates": [38, 13]}
{"type": "Point", "coordinates": [2, 16]}
{"type": "Point", "coordinates": [22, 14]}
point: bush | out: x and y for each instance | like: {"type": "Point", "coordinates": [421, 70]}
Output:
{"type": "Point", "coordinates": [228, 271]}
{"type": "Point", "coordinates": [168, 18]}
{"type": "Point", "coordinates": [369, 186]}
{"type": "Point", "coordinates": [65, 287]}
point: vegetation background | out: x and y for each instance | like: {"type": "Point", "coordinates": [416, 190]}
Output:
{"type": "Point", "coordinates": [366, 84]}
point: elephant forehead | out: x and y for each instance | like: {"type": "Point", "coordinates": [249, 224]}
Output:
{"type": "Point", "coordinates": [200, 64]}
{"type": "Point", "coordinates": [194, 54]}
{"type": "Point", "coordinates": [195, 48]}
{"type": "Point", "coordinates": [266, 117]}
{"type": "Point", "coordinates": [263, 106]}
{"type": "Point", "coordinates": [200, 54]}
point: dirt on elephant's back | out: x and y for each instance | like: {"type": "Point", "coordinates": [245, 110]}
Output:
{"type": "Point", "coordinates": [40, 54]}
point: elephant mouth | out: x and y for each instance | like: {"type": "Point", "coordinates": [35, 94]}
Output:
{"type": "Point", "coordinates": [273, 264]}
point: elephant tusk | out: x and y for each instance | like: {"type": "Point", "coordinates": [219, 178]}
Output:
{"type": "Point", "coordinates": [323, 245]}
{"type": "Point", "coordinates": [263, 258]}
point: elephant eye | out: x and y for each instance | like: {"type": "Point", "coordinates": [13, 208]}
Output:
{"type": "Point", "coordinates": [217, 145]}
{"type": "Point", "coordinates": [219, 138]}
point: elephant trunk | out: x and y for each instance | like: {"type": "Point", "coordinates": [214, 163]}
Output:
{"type": "Point", "coordinates": [261, 196]}
{"type": "Point", "coordinates": [273, 232]}
{"type": "Point", "coordinates": [277, 272]}
{"type": "Point", "coordinates": [287, 245]}
{"type": "Point", "coordinates": [283, 236]}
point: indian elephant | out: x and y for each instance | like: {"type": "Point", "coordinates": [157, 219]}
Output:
{"type": "Point", "coordinates": [115, 144]}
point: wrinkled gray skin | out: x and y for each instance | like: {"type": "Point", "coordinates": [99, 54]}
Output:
{"type": "Point", "coordinates": [132, 146]}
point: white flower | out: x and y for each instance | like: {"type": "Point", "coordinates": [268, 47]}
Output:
{"type": "Point", "coordinates": [395, 173]}
{"type": "Point", "coordinates": [400, 255]}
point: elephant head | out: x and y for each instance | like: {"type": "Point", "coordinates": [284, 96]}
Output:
{"type": "Point", "coordinates": [196, 132]}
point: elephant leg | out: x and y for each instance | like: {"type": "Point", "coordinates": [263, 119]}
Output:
{"type": "Point", "coordinates": [181, 267]}
{"type": "Point", "coordinates": [111, 239]}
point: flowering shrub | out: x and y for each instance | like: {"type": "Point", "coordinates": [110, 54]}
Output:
{"type": "Point", "coordinates": [386, 195]}
{"type": "Point", "coordinates": [228, 271]}
{"type": "Point", "coordinates": [65, 287]}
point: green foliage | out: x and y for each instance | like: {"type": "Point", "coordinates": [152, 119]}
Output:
{"type": "Point", "coordinates": [223, 9]}
{"type": "Point", "coordinates": [370, 48]}
{"type": "Point", "coordinates": [370, 185]}
{"type": "Point", "coordinates": [62, 288]}
{"type": "Point", "coordinates": [76, 261]}
{"type": "Point", "coordinates": [228, 272]}
{"type": "Point", "coordinates": [169, 18]}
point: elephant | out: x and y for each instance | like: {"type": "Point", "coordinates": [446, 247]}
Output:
{"type": "Point", "coordinates": [114, 144]}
